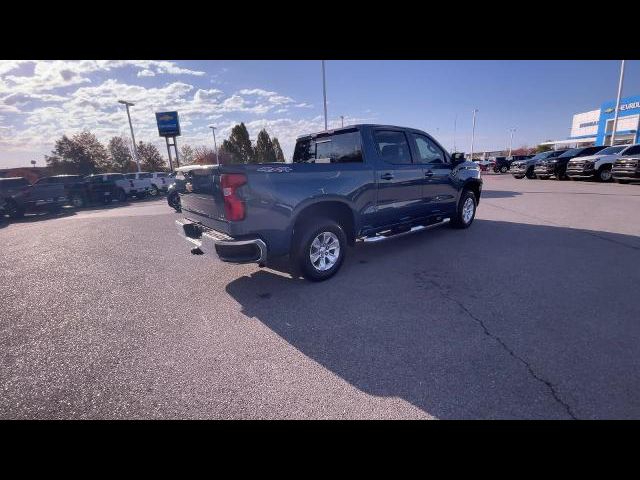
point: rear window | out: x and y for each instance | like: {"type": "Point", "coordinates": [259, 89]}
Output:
{"type": "Point", "coordinates": [338, 148]}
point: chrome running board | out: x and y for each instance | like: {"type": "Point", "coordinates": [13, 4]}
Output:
{"type": "Point", "coordinates": [417, 228]}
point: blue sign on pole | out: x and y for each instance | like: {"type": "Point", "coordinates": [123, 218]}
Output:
{"type": "Point", "coordinates": [168, 124]}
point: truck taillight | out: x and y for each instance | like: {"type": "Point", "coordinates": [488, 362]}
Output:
{"type": "Point", "coordinates": [233, 205]}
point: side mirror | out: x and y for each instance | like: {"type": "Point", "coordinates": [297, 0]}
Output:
{"type": "Point", "coordinates": [457, 157]}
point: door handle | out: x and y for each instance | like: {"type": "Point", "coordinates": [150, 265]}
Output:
{"type": "Point", "coordinates": [386, 176]}
{"type": "Point", "coordinates": [428, 173]}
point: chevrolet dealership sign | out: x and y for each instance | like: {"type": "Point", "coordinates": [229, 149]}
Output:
{"type": "Point", "coordinates": [168, 124]}
{"type": "Point", "coordinates": [623, 107]}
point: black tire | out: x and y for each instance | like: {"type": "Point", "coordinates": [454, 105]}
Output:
{"type": "Point", "coordinates": [173, 199]}
{"type": "Point", "coordinates": [121, 195]}
{"type": "Point", "coordinates": [458, 220]}
{"type": "Point", "coordinates": [77, 200]}
{"type": "Point", "coordinates": [495, 170]}
{"type": "Point", "coordinates": [530, 175]}
{"type": "Point", "coordinates": [604, 174]}
{"type": "Point", "coordinates": [503, 169]}
{"type": "Point", "coordinates": [303, 240]}
{"type": "Point", "coordinates": [12, 209]}
{"type": "Point", "coordinates": [153, 191]}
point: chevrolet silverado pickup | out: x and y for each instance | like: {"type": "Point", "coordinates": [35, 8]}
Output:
{"type": "Point", "coordinates": [364, 182]}
{"type": "Point", "coordinates": [20, 197]}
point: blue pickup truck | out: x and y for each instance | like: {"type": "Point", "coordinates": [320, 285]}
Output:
{"type": "Point", "coordinates": [364, 182]}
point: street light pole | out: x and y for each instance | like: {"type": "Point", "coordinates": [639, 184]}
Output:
{"type": "Point", "coordinates": [511, 140]}
{"type": "Point", "coordinates": [324, 94]}
{"type": "Point", "coordinates": [455, 120]}
{"type": "Point", "coordinates": [215, 146]}
{"type": "Point", "coordinates": [615, 118]}
{"type": "Point", "coordinates": [133, 138]}
{"type": "Point", "coordinates": [342, 119]}
{"type": "Point", "coordinates": [473, 131]}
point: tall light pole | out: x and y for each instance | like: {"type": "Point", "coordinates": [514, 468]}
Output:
{"type": "Point", "coordinates": [615, 118]}
{"type": "Point", "coordinates": [324, 94]}
{"type": "Point", "coordinates": [215, 146]}
{"type": "Point", "coordinates": [511, 140]}
{"type": "Point", "coordinates": [455, 120]}
{"type": "Point", "coordinates": [342, 120]}
{"type": "Point", "coordinates": [133, 138]}
{"type": "Point", "coordinates": [473, 131]}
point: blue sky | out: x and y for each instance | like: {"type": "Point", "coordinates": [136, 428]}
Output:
{"type": "Point", "coordinates": [41, 100]}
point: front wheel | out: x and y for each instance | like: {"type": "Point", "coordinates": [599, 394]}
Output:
{"type": "Point", "coordinates": [320, 249]}
{"type": "Point", "coordinates": [154, 192]}
{"type": "Point", "coordinates": [77, 200]}
{"type": "Point", "coordinates": [503, 169]}
{"type": "Point", "coordinates": [466, 211]}
{"type": "Point", "coordinates": [604, 174]}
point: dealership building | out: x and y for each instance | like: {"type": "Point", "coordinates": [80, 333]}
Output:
{"type": "Point", "coordinates": [595, 127]}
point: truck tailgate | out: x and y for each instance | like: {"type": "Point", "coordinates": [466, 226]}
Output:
{"type": "Point", "coordinates": [202, 200]}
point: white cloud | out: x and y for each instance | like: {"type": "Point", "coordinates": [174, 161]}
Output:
{"type": "Point", "coordinates": [146, 73]}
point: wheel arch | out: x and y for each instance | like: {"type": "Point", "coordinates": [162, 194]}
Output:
{"type": "Point", "coordinates": [333, 208]}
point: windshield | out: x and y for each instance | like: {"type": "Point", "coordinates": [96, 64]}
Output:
{"type": "Point", "coordinates": [571, 153]}
{"type": "Point", "coordinates": [543, 155]}
{"type": "Point", "coordinates": [612, 150]}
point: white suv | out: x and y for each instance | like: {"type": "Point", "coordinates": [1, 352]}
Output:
{"type": "Point", "coordinates": [155, 182]}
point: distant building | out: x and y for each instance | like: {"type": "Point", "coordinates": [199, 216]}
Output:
{"type": "Point", "coordinates": [596, 126]}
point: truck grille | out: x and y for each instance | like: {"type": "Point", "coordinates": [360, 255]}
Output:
{"type": "Point", "coordinates": [625, 163]}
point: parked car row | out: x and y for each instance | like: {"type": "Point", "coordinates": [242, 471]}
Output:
{"type": "Point", "coordinates": [18, 196]}
{"type": "Point", "coordinates": [603, 163]}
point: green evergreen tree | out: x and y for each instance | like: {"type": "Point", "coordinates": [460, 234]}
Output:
{"type": "Point", "coordinates": [238, 146]}
{"type": "Point", "coordinates": [150, 158]}
{"type": "Point", "coordinates": [264, 151]}
{"type": "Point", "coordinates": [277, 150]}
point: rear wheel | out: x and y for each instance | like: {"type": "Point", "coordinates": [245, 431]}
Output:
{"type": "Point", "coordinates": [320, 249]}
{"type": "Point", "coordinates": [13, 209]}
{"type": "Point", "coordinates": [503, 169]}
{"type": "Point", "coordinates": [604, 173]}
{"type": "Point", "coordinates": [121, 195]}
{"type": "Point", "coordinates": [466, 211]}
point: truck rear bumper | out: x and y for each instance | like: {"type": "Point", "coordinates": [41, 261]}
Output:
{"type": "Point", "coordinates": [228, 249]}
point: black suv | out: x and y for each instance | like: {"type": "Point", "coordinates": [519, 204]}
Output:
{"type": "Point", "coordinates": [80, 191]}
{"type": "Point", "coordinates": [557, 166]}
{"type": "Point", "coordinates": [503, 164]}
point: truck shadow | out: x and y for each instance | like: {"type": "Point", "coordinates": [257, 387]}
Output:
{"type": "Point", "coordinates": [499, 194]}
{"type": "Point", "coordinates": [448, 320]}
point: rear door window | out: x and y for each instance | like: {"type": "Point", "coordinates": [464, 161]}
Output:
{"type": "Point", "coordinates": [393, 146]}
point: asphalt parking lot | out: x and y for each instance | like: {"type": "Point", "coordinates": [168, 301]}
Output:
{"type": "Point", "coordinates": [531, 313]}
